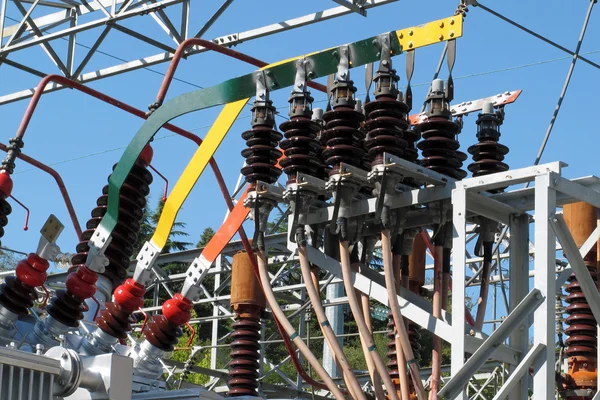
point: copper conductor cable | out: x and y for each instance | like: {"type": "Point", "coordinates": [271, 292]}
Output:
{"type": "Point", "coordinates": [289, 329]}
{"type": "Point", "coordinates": [366, 314]}
{"type": "Point", "coordinates": [402, 372]}
{"type": "Point", "coordinates": [436, 357]}
{"type": "Point", "coordinates": [363, 329]}
{"type": "Point", "coordinates": [401, 335]}
{"type": "Point", "coordinates": [334, 345]}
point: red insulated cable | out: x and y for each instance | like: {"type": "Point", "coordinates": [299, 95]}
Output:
{"type": "Point", "coordinates": [180, 52]}
{"type": "Point", "coordinates": [59, 182]}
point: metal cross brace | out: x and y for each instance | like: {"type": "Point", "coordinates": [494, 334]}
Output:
{"type": "Point", "coordinates": [514, 319]}
{"type": "Point", "coordinates": [590, 290]}
{"type": "Point", "coordinates": [520, 370]}
{"type": "Point", "coordinates": [585, 248]}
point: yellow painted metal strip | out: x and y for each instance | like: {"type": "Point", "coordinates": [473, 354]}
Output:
{"type": "Point", "coordinates": [194, 169]}
{"type": "Point", "coordinates": [430, 33]}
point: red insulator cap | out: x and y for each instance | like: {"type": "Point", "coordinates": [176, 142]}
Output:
{"type": "Point", "coordinates": [37, 262]}
{"type": "Point", "coordinates": [6, 184]}
{"type": "Point", "coordinates": [177, 310]}
{"type": "Point", "coordinates": [130, 295]}
{"type": "Point", "coordinates": [146, 155]}
{"type": "Point", "coordinates": [32, 271]}
{"type": "Point", "coordinates": [81, 282]}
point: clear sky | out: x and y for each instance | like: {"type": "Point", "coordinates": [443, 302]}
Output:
{"type": "Point", "coordinates": [82, 138]}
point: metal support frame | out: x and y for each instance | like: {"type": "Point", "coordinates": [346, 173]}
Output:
{"type": "Point", "coordinates": [107, 14]}
{"type": "Point", "coordinates": [468, 198]}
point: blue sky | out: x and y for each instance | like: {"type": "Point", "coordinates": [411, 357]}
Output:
{"type": "Point", "coordinates": [82, 138]}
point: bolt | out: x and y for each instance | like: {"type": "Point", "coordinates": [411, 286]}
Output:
{"type": "Point", "coordinates": [451, 33]}
{"type": "Point", "coordinates": [451, 21]}
{"type": "Point", "coordinates": [411, 32]}
{"type": "Point", "coordinates": [472, 332]}
{"type": "Point", "coordinates": [441, 24]}
{"type": "Point", "coordinates": [410, 45]}
{"type": "Point", "coordinates": [64, 356]}
{"type": "Point", "coordinates": [441, 37]}
{"type": "Point", "coordinates": [401, 35]}
{"type": "Point", "coordinates": [311, 74]}
{"type": "Point", "coordinates": [385, 62]}
{"type": "Point", "coordinates": [61, 382]}
{"type": "Point", "coordinates": [538, 296]}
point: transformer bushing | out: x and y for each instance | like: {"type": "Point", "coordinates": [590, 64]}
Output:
{"type": "Point", "coordinates": [580, 381]}
{"type": "Point", "coordinates": [248, 303]}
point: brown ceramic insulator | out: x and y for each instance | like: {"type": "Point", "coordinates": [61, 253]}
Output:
{"type": "Point", "coordinates": [343, 138]}
{"type": "Point", "coordinates": [582, 330]}
{"type": "Point", "coordinates": [439, 147]}
{"type": "Point", "coordinates": [412, 136]}
{"type": "Point", "coordinates": [582, 335]}
{"type": "Point", "coordinates": [385, 125]}
{"type": "Point", "coordinates": [245, 287]}
{"type": "Point", "coordinates": [414, 336]}
{"type": "Point", "coordinates": [114, 321]}
{"type": "Point", "coordinates": [132, 201]}
{"type": "Point", "coordinates": [16, 296]}
{"type": "Point", "coordinates": [66, 308]}
{"type": "Point", "coordinates": [261, 153]}
{"type": "Point", "coordinates": [392, 364]}
{"type": "Point", "coordinates": [300, 147]}
{"type": "Point", "coordinates": [488, 154]}
{"type": "Point", "coordinates": [5, 210]}
{"type": "Point", "coordinates": [244, 364]}
{"type": "Point", "coordinates": [162, 334]}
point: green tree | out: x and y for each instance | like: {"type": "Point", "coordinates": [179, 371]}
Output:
{"type": "Point", "coordinates": [207, 234]}
{"type": "Point", "coordinates": [148, 226]}
{"type": "Point", "coordinates": [9, 260]}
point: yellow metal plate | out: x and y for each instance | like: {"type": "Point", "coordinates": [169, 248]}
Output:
{"type": "Point", "coordinates": [430, 33]}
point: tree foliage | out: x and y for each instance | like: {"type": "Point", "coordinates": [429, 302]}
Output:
{"type": "Point", "coordinates": [9, 260]}
{"type": "Point", "coordinates": [207, 234]}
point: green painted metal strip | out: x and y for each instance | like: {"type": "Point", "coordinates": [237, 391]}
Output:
{"type": "Point", "coordinates": [282, 75]}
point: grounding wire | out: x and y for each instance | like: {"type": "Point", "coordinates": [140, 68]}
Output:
{"type": "Point", "coordinates": [566, 84]}
{"type": "Point", "coordinates": [556, 111]}
{"type": "Point", "coordinates": [537, 35]}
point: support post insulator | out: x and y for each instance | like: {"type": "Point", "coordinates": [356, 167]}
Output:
{"type": "Point", "coordinates": [387, 121]}
{"type": "Point", "coordinates": [342, 135]}
{"type": "Point", "coordinates": [488, 154]}
{"type": "Point", "coordinates": [439, 146]}
{"type": "Point", "coordinates": [262, 140]}
{"type": "Point", "coordinates": [68, 307]}
{"type": "Point", "coordinates": [582, 335]}
{"type": "Point", "coordinates": [248, 304]}
{"type": "Point", "coordinates": [300, 146]}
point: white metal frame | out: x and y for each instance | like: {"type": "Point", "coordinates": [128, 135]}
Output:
{"type": "Point", "coordinates": [108, 16]}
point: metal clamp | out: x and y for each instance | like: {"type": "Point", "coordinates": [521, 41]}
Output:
{"type": "Point", "coordinates": [96, 260]}
{"type": "Point", "coordinates": [47, 247]}
{"type": "Point", "coordinates": [145, 261]}
{"type": "Point", "coordinates": [195, 274]}
{"type": "Point", "coordinates": [343, 69]}
{"type": "Point", "coordinates": [407, 169]}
